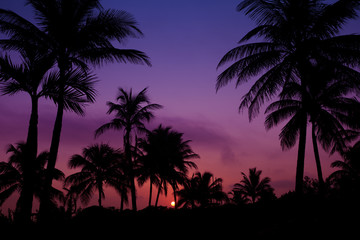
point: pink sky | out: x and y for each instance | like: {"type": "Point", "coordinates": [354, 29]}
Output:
{"type": "Point", "coordinates": [185, 40]}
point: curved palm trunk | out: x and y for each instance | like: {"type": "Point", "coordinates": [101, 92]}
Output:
{"type": "Point", "coordinates": [317, 160]}
{"type": "Point", "coordinates": [158, 194]}
{"type": "Point", "coordinates": [45, 199]}
{"type": "Point", "coordinates": [301, 158]}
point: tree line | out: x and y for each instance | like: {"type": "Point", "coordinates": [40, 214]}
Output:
{"type": "Point", "coordinates": [294, 55]}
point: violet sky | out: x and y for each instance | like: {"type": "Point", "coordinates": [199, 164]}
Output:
{"type": "Point", "coordinates": [185, 41]}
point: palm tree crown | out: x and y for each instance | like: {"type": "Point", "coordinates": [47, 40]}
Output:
{"type": "Point", "coordinates": [202, 190]}
{"type": "Point", "coordinates": [166, 159]}
{"type": "Point", "coordinates": [13, 175]}
{"type": "Point", "coordinates": [252, 186]}
{"type": "Point", "coordinates": [131, 113]}
{"type": "Point", "coordinates": [100, 165]}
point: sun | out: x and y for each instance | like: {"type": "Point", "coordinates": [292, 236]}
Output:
{"type": "Point", "coordinates": [172, 203]}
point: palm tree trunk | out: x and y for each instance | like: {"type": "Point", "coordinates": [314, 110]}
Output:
{"type": "Point", "coordinates": [32, 137]}
{"type": "Point", "coordinates": [100, 193]}
{"type": "Point", "coordinates": [150, 194]}
{"type": "Point", "coordinates": [317, 159]}
{"type": "Point", "coordinates": [45, 200]}
{"type": "Point", "coordinates": [301, 157]}
{"type": "Point", "coordinates": [158, 194]}
{"type": "Point", "coordinates": [131, 168]}
{"type": "Point", "coordinates": [25, 202]}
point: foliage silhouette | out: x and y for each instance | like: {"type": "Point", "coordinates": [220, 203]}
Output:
{"type": "Point", "coordinates": [166, 160]}
{"type": "Point", "coordinates": [326, 105]}
{"type": "Point", "coordinates": [253, 187]}
{"type": "Point", "coordinates": [13, 178]}
{"type": "Point", "coordinates": [131, 114]}
{"type": "Point", "coordinates": [202, 190]}
{"type": "Point", "coordinates": [100, 165]}
{"type": "Point", "coordinates": [74, 33]}
{"type": "Point", "coordinates": [295, 34]}
{"type": "Point", "coordinates": [347, 179]}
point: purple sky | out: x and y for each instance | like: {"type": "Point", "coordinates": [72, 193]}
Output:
{"type": "Point", "coordinates": [185, 41]}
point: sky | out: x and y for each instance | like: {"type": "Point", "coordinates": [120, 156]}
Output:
{"type": "Point", "coordinates": [185, 40]}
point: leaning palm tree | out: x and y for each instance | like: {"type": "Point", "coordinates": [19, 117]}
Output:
{"type": "Point", "coordinates": [14, 178]}
{"type": "Point", "coordinates": [132, 111]}
{"type": "Point", "coordinates": [252, 186]}
{"type": "Point", "coordinates": [202, 190]}
{"type": "Point", "coordinates": [294, 35]}
{"type": "Point", "coordinates": [100, 166]}
{"type": "Point", "coordinates": [166, 160]}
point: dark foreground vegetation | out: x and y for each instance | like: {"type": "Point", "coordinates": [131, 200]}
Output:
{"type": "Point", "coordinates": [312, 216]}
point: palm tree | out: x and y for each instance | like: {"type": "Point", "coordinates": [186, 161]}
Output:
{"type": "Point", "coordinates": [252, 186]}
{"type": "Point", "coordinates": [166, 160]}
{"type": "Point", "coordinates": [295, 34]}
{"type": "Point", "coordinates": [100, 166]}
{"type": "Point", "coordinates": [347, 178]}
{"type": "Point", "coordinates": [74, 35]}
{"type": "Point", "coordinates": [132, 112]}
{"type": "Point", "coordinates": [27, 77]}
{"type": "Point", "coordinates": [201, 191]}
{"type": "Point", "coordinates": [325, 106]}
{"type": "Point", "coordinates": [13, 179]}
{"type": "Point", "coordinates": [78, 33]}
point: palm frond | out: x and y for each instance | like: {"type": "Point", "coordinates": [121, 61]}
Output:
{"type": "Point", "coordinates": [100, 56]}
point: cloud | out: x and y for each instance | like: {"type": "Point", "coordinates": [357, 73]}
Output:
{"type": "Point", "coordinates": [205, 135]}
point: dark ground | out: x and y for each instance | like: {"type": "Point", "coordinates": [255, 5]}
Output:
{"type": "Point", "coordinates": [279, 219]}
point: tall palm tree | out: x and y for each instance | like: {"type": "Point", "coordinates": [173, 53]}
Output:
{"type": "Point", "coordinates": [33, 46]}
{"type": "Point", "coordinates": [132, 111]}
{"type": "Point", "coordinates": [252, 186]}
{"type": "Point", "coordinates": [13, 178]}
{"type": "Point", "coordinates": [166, 161]}
{"type": "Point", "coordinates": [201, 190]}
{"type": "Point", "coordinates": [326, 104]}
{"type": "Point", "coordinates": [100, 166]}
{"type": "Point", "coordinates": [75, 35]}
{"type": "Point", "coordinates": [28, 77]}
{"type": "Point", "coordinates": [293, 35]}
{"type": "Point", "coordinates": [78, 33]}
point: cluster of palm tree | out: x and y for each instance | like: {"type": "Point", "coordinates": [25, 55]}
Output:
{"type": "Point", "coordinates": [53, 60]}
{"type": "Point", "coordinates": [310, 69]}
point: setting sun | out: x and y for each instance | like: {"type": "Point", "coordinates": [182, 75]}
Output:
{"type": "Point", "coordinates": [172, 203]}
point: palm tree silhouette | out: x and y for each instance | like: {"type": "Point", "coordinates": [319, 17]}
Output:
{"type": "Point", "coordinates": [252, 186]}
{"type": "Point", "coordinates": [100, 166]}
{"type": "Point", "coordinates": [166, 160]}
{"type": "Point", "coordinates": [131, 114]}
{"type": "Point", "coordinates": [326, 106]}
{"type": "Point", "coordinates": [78, 33]}
{"type": "Point", "coordinates": [347, 178]}
{"type": "Point", "coordinates": [28, 77]}
{"type": "Point", "coordinates": [295, 34]}
{"type": "Point", "coordinates": [202, 190]}
{"type": "Point", "coordinates": [13, 178]}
